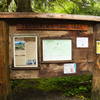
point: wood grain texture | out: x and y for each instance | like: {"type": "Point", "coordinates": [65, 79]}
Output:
{"type": "Point", "coordinates": [4, 62]}
{"type": "Point", "coordinates": [49, 16]}
{"type": "Point", "coordinates": [83, 57]}
{"type": "Point", "coordinates": [52, 26]}
{"type": "Point", "coordinates": [96, 69]}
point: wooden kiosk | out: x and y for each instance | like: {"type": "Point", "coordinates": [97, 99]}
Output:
{"type": "Point", "coordinates": [47, 45]}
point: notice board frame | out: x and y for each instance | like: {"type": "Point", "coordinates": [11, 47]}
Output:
{"type": "Point", "coordinates": [37, 41]}
{"type": "Point", "coordinates": [56, 61]}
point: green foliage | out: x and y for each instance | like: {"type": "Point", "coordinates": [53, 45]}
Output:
{"type": "Point", "coordinates": [40, 5]}
{"type": "Point", "coordinates": [69, 86]}
{"type": "Point", "coordinates": [3, 6]}
{"type": "Point", "coordinates": [63, 6]}
{"type": "Point", "coordinates": [83, 7]}
{"type": "Point", "coordinates": [12, 6]}
{"type": "Point", "coordinates": [58, 6]}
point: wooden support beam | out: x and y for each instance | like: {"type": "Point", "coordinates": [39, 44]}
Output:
{"type": "Point", "coordinates": [49, 16]}
{"type": "Point", "coordinates": [96, 71]}
{"type": "Point", "coordinates": [4, 59]}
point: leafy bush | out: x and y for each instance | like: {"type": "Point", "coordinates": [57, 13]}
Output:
{"type": "Point", "coordinates": [68, 86]}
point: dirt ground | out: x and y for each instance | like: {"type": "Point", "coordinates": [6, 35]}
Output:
{"type": "Point", "coordinates": [33, 95]}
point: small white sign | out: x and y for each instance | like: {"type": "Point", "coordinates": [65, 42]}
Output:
{"type": "Point", "coordinates": [82, 42]}
{"type": "Point", "coordinates": [70, 68]}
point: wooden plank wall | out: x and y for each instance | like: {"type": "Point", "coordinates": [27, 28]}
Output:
{"type": "Point", "coordinates": [96, 70]}
{"type": "Point", "coordinates": [4, 64]}
{"type": "Point", "coordinates": [84, 58]}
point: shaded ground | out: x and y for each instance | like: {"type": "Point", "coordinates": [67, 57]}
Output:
{"type": "Point", "coordinates": [33, 95]}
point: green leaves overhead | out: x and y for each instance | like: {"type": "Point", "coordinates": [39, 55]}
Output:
{"type": "Point", "coordinates": [3, 5]}
{"type": "Point", "coordinates": [87, 7]}
{"type": "Point", "coordinates": [64, 6]}
{"type": "Point", "coordinates": [75, 6]}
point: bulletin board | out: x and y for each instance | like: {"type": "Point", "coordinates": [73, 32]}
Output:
{"type": "Point", "coordinates": [58, 50]}
{"type": "Point", "coordinates": [25, 51]}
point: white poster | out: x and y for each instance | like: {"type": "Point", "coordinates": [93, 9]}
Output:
{"type": "Point", "coordinates": [57, 49]}
{"type": "Point", "coordinates": [25, 51]}
{"type": "Point", "coordinates": [82, 42]}
{"type": "Point", "coordinates": [70, 68]}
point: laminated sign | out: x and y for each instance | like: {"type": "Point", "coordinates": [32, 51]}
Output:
{"type": "Point", "coordinates": [82, 42]}
{"type": "Point", "coordinates": [70, 68]}
{"type": "Point", "coordinates": [97, 47]}
{"type": "Point", "coordinates": [25, 51]}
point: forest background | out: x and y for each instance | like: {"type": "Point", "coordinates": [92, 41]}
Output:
{"type": "Point", "coordinates": [84, 7]}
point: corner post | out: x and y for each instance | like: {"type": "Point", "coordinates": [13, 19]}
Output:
{"type": "Point", "coordinates": [96, 71]}
{"type": "Point", "coordinates": [4, 62]}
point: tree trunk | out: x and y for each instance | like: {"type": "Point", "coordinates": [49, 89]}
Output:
{"type": "Point", "coordinates": [23, 5]}
{"type": "Point", "coordinates": [8, 3]}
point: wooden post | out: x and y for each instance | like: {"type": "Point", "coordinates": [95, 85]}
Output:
{"type": "Point", "coordinates": [96, 72]}
{"type": "Point", "coordinates": [4, 62]}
